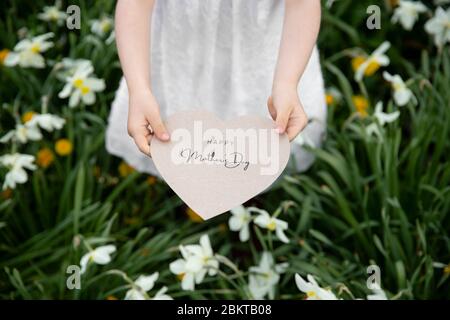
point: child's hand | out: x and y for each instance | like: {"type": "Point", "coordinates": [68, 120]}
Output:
{"type": "Point", "coordinates": [143, 116]}
{"type": "Point", "coordinates": [287, 111]}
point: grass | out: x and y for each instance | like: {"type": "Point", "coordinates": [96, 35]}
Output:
{"type": "Point", "coordinates": [365, 200]}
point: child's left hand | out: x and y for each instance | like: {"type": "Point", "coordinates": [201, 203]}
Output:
{"type": "Point", "coordinates": [287, 111]}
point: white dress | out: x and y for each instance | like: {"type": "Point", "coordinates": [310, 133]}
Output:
{"type": "Point", "coordinates": [218, 55]}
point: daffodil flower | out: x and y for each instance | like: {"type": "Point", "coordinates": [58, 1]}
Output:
{"type": "Point", "coordinates": [23, 133]}
{"type": "Point", "coordinates": [82, 86]}
{"type": "Point", "coordinates": [312, 289]}
{"type": "Point", "coordinates": [402, 94]}
{"type": "Point", "coordinates": [100, 255]}
{"type": "Point", "coordinates": [189, 268]}
{"type": "Point", "coordinates": [439, 27]}
{"type": "Point", "coordinates": [67, 67]}
{"type": "Point", "coordinates": [378, 294]}
{"type": "Point", "coordinates": [27, 53]}
{"type": "Point", "coordinates": [196, 262]}
{"type": "Point", "coordinates": [72, 65]}
{"type": "Point", "coordinates": [53, 14]}
{"type": "Point", "coordinates": [16, 163]}
{"type": "Point", "coordinates": [161, 295]}
{"type": "Point", "coordinates": [239, 221]}
{"type": "Point", "coordinates": [47, 121]}
{"type": "Point", "coordinates": [361, 105]}
{"type": "Point", "coordinates": [30, 130]}
{"type": "Point", "coordinates": [373, 130]}
{"type": "Point", "coordinates": [142, 285]}
{"type": "Point", "coordinates": [264, 220]}
{"type": "Point", "coordinates": [407, 13]}
{"type": "Point", "coordinates": [333, 96]}
{"type": "Point", "coordinates": [377, 58]}
{"type": "Point", "coordinates": [205, 252]}
{"type": "Point", "coordinates": [383, 117]}
{"type": "Point", "coordinates": [264, 277]}
{"type": "Point", "coordinates": [102, 26]}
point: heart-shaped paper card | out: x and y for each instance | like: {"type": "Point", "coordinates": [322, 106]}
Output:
{"type": "Point", "coordinates": [215, 165]}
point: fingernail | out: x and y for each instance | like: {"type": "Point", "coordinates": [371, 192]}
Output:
{"type": "Point", "coordinates": [165, 136]}
{"type": "Point", "coordinates": [279, 130]}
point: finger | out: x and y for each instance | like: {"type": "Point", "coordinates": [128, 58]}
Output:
{"type": "Point", "coordinates": [295, 126]}
{"type": "Point", "coordinates": [149, 143]}
{"type": "Point", "coordinates": [293, 130]}
{"type": "Point", "coordinates": [158, 127]}
{"type": "Point", "coordinates": [282, 120]}
{"type": "Point", "coordinates": [140, 139]}
{"type": "Point", "coordinates": [272, 110]}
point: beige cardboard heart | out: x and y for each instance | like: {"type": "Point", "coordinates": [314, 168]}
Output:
{"type": "Point", "coordinates": [215, 165]}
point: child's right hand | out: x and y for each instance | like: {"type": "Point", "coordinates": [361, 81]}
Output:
{"type": "Point", "coordinates": [144, 120]}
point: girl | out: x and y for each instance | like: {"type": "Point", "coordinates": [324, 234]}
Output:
{"type": "Point", "coordinates": [231, 57]}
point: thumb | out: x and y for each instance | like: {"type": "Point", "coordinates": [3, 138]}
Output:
{"type": "Point", "coordinates": [282, 120]}
{"type": "Point", "coordinates": [158, 127]}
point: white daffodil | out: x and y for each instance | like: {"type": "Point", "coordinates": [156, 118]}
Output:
{"type": "Point", "coordinates": [333, 95]}
{"type": "Point", "coordinates": [72, 65]}
{"type": "Point", "coordinates": [53, 14]}
{"type": "Point", "coordinates": [382, 117]}
{"type": "Point", "coordinates": [373, 130]}
{"type": "Point", "coordinates": [439, 26]}
{"type": "Point", "coordinates": [264, 220]}
{"type": "Point", "coordinates": [378, 294]}
{"type": "Point", "coordinates": [23, 133]}
{"type": "Point", "coordinates": [27, 53]}
{"type": "Point", "coordinates": [142, 285]}
{"type": "Point", "coordinates": [100, 255]}
{"type": "Point", "coordinates": [205, 252]}
{"type": "Point", "coordinates": [161, 295]}
{"type": "Point", "coordinates": [402, 94]}
{"type": "Point", "coordinates": [408, 12]}
{"type": "Point", "coordinates": [82, 86]}
{"type": "Point", "coordinates": [264, 277]}
{"type": "Point", "coordinates": [239, 221]}
{"type": "Point", "coordinates": [377, 57]}
{"type": "Point", "coordinates": [312, 289]}
{"type": "Point", "coordinates": [190, 268]}
{"type": "Point", "coordinates": [67, 67]}
{"type": "Point", "coordinates": [197, 261]}
{"type": "Point", "coordinates": [47, 121]}
{"type": "Point", "coordinates": [27, 132]}
{"type": "Point", "coordinates": [30, 130]}
{"type": "Point", "coordinates": [102, 26]}
{"type": "Point", "coordinates": [16, 163]}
